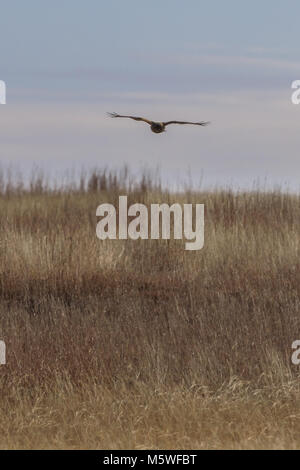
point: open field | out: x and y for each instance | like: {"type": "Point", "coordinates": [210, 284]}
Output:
{"type": "Point", "coordinates": [141, 344]}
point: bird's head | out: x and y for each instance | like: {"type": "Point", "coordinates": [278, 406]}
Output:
{"type": "Point", "coordinates": [158, 127]}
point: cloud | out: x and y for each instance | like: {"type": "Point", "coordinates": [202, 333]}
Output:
{"type": "Point", "coordinates": [232, 60]}
{"type": "Point", "coordinates": [206, 70]}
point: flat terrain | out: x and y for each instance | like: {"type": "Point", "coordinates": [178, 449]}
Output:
{"type": "Point", "coordinates": [141, 344]}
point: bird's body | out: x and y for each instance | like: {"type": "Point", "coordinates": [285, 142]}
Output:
{"type": "Point", "coordinates": [158, 127]}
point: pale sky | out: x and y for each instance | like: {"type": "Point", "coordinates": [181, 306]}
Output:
{"type": "Point", "coordinates": [66, 63]}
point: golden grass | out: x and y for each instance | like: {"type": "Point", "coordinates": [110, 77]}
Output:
{"type": "Point", "coordinates": [141, 344]}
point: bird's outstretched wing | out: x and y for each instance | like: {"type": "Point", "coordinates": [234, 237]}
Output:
{"type": "Point", "coordinates": [115, 115]}
{"type": "Point", "coordinates": [201, 123]}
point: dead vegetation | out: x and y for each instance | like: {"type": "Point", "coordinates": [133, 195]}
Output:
{"type": "Point", "coordinates": [141, 344]}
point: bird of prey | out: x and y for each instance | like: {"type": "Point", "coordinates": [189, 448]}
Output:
{"type": "Point", "coordinates": [158, 127]}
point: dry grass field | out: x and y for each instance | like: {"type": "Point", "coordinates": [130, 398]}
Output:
{"type": "Point", "coordinates": [141, 344]}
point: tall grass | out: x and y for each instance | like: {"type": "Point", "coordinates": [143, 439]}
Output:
{"type": "Point", "coordinates": [141, 344]}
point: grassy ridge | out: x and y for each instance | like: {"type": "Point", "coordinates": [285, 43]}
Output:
{"type": "Point", "coordinates": [141, 344]}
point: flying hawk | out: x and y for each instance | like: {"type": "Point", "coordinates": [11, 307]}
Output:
{"type": "Point", "coordinates": [158, 127]}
